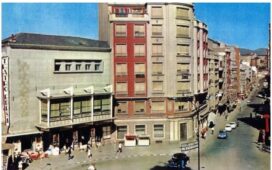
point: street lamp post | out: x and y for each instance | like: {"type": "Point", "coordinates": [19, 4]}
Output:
{"type": "Point", "coordinates": [198, 139]}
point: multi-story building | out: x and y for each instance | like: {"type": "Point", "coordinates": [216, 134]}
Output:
{"type": "Point", "coordinates": [56, 89]}
{"type": "Point", "coordinates": [223, 52]}
{"type": "Point", "coordinates": [158, 40]}
{"type": "Point", "coordinates": [213, 76]}
{"type": "Point", "coordinates": [201, 69]}
{"type": "Point", "coordinates": [233, 76]}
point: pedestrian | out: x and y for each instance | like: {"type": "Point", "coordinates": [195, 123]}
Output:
{"type": "Point", "coordinates": [119, 147]}
{"type": "Point", "coordinates": [212, 130]}
{"type": "Point", "coordinates": [70, 155]}
{"type": "Point", "coordinates": [89, 153]}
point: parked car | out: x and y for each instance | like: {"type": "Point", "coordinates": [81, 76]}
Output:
{"type": "Point", "coordinates": [228, 127]}
{"type": "Point", "coordinates": [222, 134]}
{"type": "Point", "coordinates": [233, 125]}
{"type": "Point", "coordinates": [260, 96]}
{"type": "Point", "coordinates": [176, 160]}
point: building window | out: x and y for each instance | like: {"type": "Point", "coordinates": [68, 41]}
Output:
{"type": "Point", "coordinates": [44, 109]}
{"type": "Point", "coordinates": [139, 106]}
{"type": "Point", "coordinates": [182, 68]}
{"type": "Point", "coordinates": [82, 107]}
{"type": "Point", "coordinates": [140, 130]}
{"type": "Point", "coordinates": [157, 50]}
{"type": "Point", "coordinates": [157, 86]}
{"type": "Point", "coordinates": [88, 67]}
{"type": "Point", "coordinates": [182, 31]}
{"type": "Point", "coordinates": [139, 50]}
{"type": "Point", "coordinates": [121, 107]}
{"type": "Point", "coordinates": [121, 132]}
{"type": "Point", "coordinates": [106, 131]}
{"type": "Point", "coordinates": [156, 12]}
{"type": "Point", "coordinates": [78, 67]}
{"type": "Point", "coordinates": [60, 109]}
{"type": "Point", "coordinates": [182, 13]}
{"type": "Point", "coordinates": [158, 106]}
{"type": "Point", "coordinates": [139, 30]}
{"type": "Point", "coordinates": [181, 106]}
{"type": "Point", "coordinates": [183, 87]}
{"type": "Point", "coordinates": [101, 105]}
{"type": "Point", "coordinates": [183, 49]}
{"type": "Point", "coordinates": [121, 87]}
{"type": "Point", "coordinates": [97, 67]}
{"type": "Point", "coordinates": [121, 50]}
{"type": "Point", "coordinates": [121, 69]}
{"type": "Point", "coordinates": [120, 30]}
{"type": "Point", "coordinates": [140, 88]}
{"type": "Point", "coordinates": [157, 68]}
{"type": "Point", "coordinates": [139, 68]}
{"type": "Point", "coordinates": [157, 30]}
{"type": "Point", "coordinates": [158, 131]}
{"type": "Point", "coordinates": [67, 67]}
{"type": "Point", "coordinates": [57, 67]}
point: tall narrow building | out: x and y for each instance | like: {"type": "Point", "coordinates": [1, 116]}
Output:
{"type": "Point", "coordinates": [154, 60]}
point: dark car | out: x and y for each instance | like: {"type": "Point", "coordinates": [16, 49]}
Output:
{"type": "Point", "coordinates": [222, 134]}
{"type": "Point", "coordinates": [178, 160]}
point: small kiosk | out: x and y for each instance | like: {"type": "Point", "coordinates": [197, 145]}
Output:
{"type": "Point", "coordinates": [143, 140]}
{"type": "Point", "coordinates": [130, 140]}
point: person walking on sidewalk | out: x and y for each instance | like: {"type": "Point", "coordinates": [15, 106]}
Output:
{"type": "Point", "coordinates": [70, 155]}
{"type": "Point", "coordinates": [212, 130]}
{"type": "Point", "coordinates": [89, 153]}
{"type": "Point", "coordinates": [119, 147]}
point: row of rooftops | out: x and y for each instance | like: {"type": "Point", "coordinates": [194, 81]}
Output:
{"type": "Point", "coordinates": [41, 41]}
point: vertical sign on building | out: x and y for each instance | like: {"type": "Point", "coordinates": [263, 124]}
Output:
{"type": "Point", "coordinates": [5, 90]}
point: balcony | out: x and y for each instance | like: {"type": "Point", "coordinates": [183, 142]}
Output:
{"type": "Point", "coordinates": [183, 72]}
{"type": "Point", "coordinates": [128, 17]}
{"type": "Point", "coordinates": [77, 119]}
{"type": "Point", "coordinates": [221, 80]}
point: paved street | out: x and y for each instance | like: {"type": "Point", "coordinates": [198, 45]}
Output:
{"type": "Point", "coordinates": [238, 152]}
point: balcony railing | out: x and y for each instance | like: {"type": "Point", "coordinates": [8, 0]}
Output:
{"type": "Point", "coordinates": [183, 71]}
{"type": "Point", "coordinates": [183, 36]}
{"type": "Point", "coordinates": [139, 34]}
{"type": "Point", "coordinates": [121, 54]}
{"type": "Point", "coordinates": [120, 34]}
{"type": "Point", "coordinates": [182, 17]}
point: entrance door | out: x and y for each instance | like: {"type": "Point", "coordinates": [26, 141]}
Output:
{"type": "Point", "coordinates": [183, 131]}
